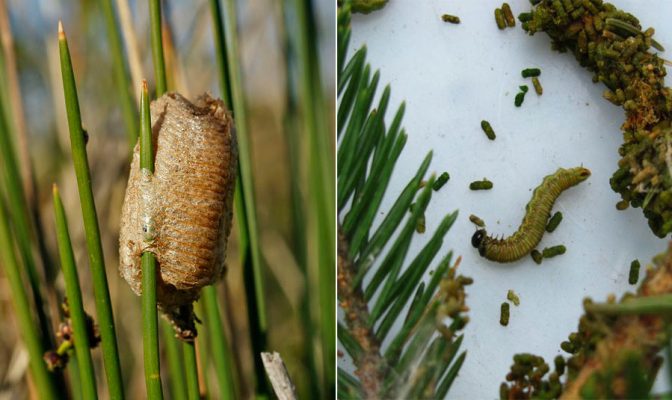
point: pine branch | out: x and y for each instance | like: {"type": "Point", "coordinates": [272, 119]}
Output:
{"type": "Point", "coordinates": [357, 316]}
{"type": "Point", "coordinates": [422, 358]}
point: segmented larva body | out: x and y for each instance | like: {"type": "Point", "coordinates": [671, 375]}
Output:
{"type": "Point", "coordinates": [182, 213]}
{"type": "Point", "coordinates": [537, 212]}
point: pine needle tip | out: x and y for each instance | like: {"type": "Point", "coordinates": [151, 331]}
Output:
{"type": "Point", "coordinates": [61, 32]}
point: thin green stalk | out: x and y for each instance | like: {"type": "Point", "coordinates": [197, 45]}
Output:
{"type": "Point", "coordinates": [250, 273]}
{"type": "Point", "coordinates": [21, 223]}
{"type": "Point", "coordinates": [321, 178]}
{"type": "Point", "coordinates": [193, 392]}
{"type": "Point", "coordinates": [157, 47]}
{"type": "Point", "coordinates": [150, 327]}
{"type": "Point", "coordinates": [219, 346]}
{"type": "Point", "coordinates": [150, 321]}
{"type": "Point", "coordinates": [657, 305]}
{"type": "Point", "coordinates": [245, 204]}
{"type": "Point", "coordinates": [75, 303]}
{"type": "Point", "coordinates": [294, 157]}
{"type": "Point", "coordinates": [220, 52]}
{"type": "Point", "coordinates": [75, 379]}
{"type": "Point", "coordinates": [121, 75]}
{"type": "Point", "coordinates": [96, 260]}
{"type": "Point", "coordinates": [175, 362]}
{"type": "Point", "coordinates": [44, 383]}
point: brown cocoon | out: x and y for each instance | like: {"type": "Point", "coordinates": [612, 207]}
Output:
{"type": "Point", "coordinates": [183, 212]}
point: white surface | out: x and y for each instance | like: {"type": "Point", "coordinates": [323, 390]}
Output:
{"type": "Point", "coordinates": [452, 77]}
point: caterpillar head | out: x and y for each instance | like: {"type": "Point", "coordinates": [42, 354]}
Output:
{"type": "Point", "coordinates": [583, 173]}
{"type": "Point", "coordinates": [478, 240]}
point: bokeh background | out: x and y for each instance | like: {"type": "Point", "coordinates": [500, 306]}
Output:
{"type": "Point", "coordinates": [190, 58]}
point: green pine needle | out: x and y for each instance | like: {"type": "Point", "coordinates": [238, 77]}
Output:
{"type": "Point", "coordinates": [157, 47]}
{"type": "Point", "coordinates": [193, 390]}
{"type": "Point", "coordinates": [91, 228]}
{"type": "Point", "coordinates": [150, 323]}
{"type": "Point", "coordinates": [121, 75]}
{"type": "Point", "coordinates": [367, 154]}
{"type": "Point", "coordinates": [30, 334]}
{"type": "Point", "coordinates": [219, 346]}
{"type": "Point", "coordinates": [75, 303]}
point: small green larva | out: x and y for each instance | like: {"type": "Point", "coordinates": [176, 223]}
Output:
{"type": "Point", "coordinates": [622, 205]}
{"type": "Point", "coordinates": [182, 213]}
{"type": "Point", "coordinates": [481, 185]}
{"type": "Point", "coordinates": [508, 15]}
{"type": "Point", "coordinates": [525, 17]}
{"type": "Point", "coordinates": [532, 228]}
{"type": "Point", "coordinates": [553, 251]}
{"type": "Point", "coordinates": [504, 313]}
{"type": "Point", "coordinates": [553, 222]}
{"type": "Point", "coordinates": [559, 362]}
{"type": "Point", "coordinates": [537, 86]}
{"type": "Point", "coordinates": [530, 72]}
{"type": "Point", "coordinates": [440, 181]}
{"type": "Point", "coordinates": [476, 221]}
{"type": "Point", "coordinates": [453, 19]}
{"type": "Point", "coordinates": [499, 18]}
{"type": "Point", "coordinates": [536, 256]}
{"type": "Point", "coordinates": [633, 276]}
{"type": "Point", "coordinates": [487, 128]}
{"type": "Point", "coordinates": [513, 297]}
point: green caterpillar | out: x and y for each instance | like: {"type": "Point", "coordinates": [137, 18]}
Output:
{"type": "Point", "coordinates": [531, 230]}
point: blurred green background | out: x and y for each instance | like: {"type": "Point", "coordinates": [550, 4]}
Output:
{"type": "Point", "coordinates": [268, 74]}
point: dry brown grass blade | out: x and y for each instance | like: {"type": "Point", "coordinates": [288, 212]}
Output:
{"type": "Point", "coordinates": [17, 112]}
{"type": "Point", "coordinates": [131, 42]}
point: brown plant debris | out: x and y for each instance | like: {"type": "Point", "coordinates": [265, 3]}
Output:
{"type": "Point", "coordinates": [611, 355]}
{"type": "Point", "coordinates": [613, 45]}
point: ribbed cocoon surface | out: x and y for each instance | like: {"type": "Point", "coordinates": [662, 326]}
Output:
{"type": "Point", "coordinates": [183, 212]}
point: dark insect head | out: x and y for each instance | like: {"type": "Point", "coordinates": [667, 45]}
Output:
{"type": "Point", "coordinates": [584, 173]}
{"type": "Point", "coordinates": [478, 237]}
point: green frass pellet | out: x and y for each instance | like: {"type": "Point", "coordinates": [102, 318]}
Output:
{"type": "Point", "coordinates": [503, 391]}
{"type": "Point", "coordinates": [634, 272]}
{"type": "Point", "coordinates": [554, 221]}
{"type": "Point", "coordinates": [481, 185]}
{"type": "Point", "coordinates": [523, 88]}
{"type": "Point", "coordinates": [549, 252]}
{"type": "Point", "coordinates": [530, 72]}
{"type": "Point", "coordinates": [508, 15]}
{"type": "Point", "coordinates": [440, 181]}
{"type": "Point", "coordinates": [622, 205]}
{"type": "Point", "coordinates": [567, 346]}
{"type": "Point", "coordinates": [420, 224]}
{"type": "Point", "coordinates": [525, 17]}
{"type": "Point", "coordinates": [453, 19]}
{"type": "Point", "coordinates": [559, 364]}
{"type": "Point", "coordinates": [476, 221]}
{"type": "Point", "coordinates": [536, 256]}
{"type": "Point", "coordinates": [519, 99]}
{"type": "Point", "coordinates": [499, 18]}
{"type": "Point", "coordinates": [487, 128]}
{"type": "Point", "coordinates": [537, 86]}
{"type": "Point", "coordinates": [504, 314]}
{"type": "Point", "coordinates": [568, 5]}
{"type": "Point", "coordinates": [513, 297]}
